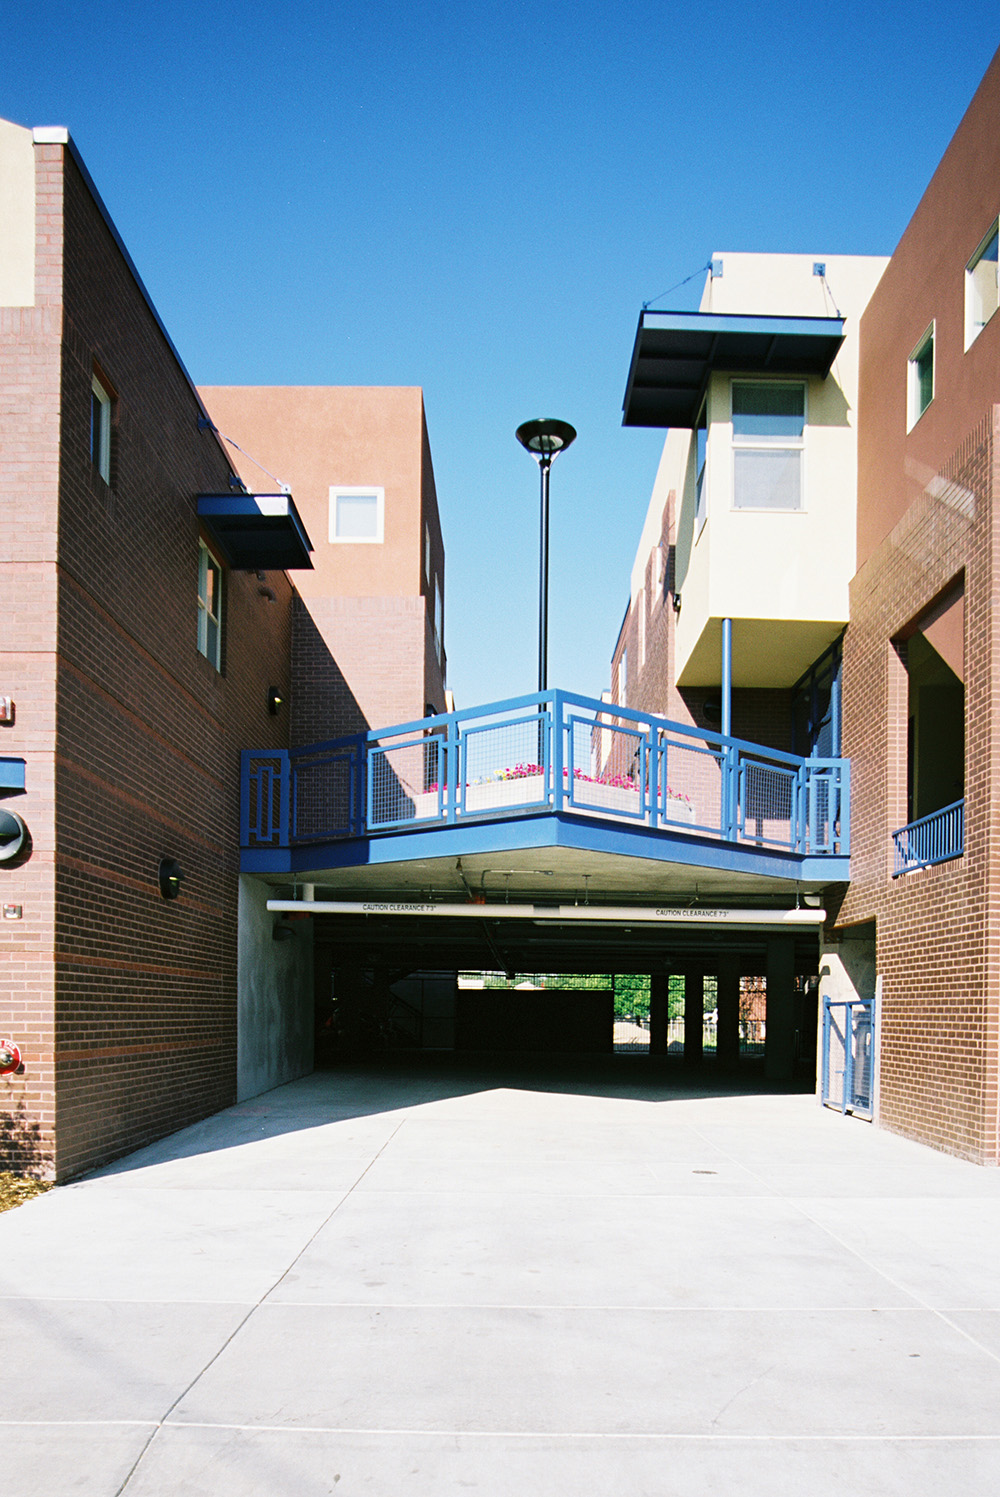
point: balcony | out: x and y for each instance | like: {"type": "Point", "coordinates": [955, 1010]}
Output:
{"type": "Point", "coordinates": [555, 755]}
{"type": "Point", "coordinates": [932, 839]}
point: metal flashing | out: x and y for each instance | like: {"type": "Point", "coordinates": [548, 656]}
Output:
{"type": "Point", "coordinates": [12, 774]}
{"type": "Point", "coordinates": [256, 532]}
{"type": "Point", "coordinates": [675, 353]}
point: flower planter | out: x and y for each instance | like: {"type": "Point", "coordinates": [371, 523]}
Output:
{"type": "Point", "coordinates": [528, 790]}
{"type": "Point", "coordinates": [678, 810]}
{"type": "Point", "coordinates": [605, 800]}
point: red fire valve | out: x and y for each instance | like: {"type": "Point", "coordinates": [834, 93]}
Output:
{"type": "Point", "coordinates": [10, 1057]}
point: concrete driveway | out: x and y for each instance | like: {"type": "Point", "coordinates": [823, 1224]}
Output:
{"type": "Point", "coordinates": [436, 1279]}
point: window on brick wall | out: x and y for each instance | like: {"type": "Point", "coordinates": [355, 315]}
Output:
{"type": "Point", "coordinates": [641, 604]}
{"type": "Point", "coordinates": [209, 606]}
{"type": "Point", "coordinates": [920, 379]}
{"type": "Point", "coordinates": [935, 667]}
{"type": "Point", "coordinates": [623, 680]}
{"type": "Point", "coordinates": [982, 287]}
{"type": "Point", "coordinates": [438, 623]}
{"type": "Point", "coordinates": [101, 403]}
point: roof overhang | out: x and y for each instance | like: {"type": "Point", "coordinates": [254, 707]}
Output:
{"type": "Point", "coordinates": [256, 532]}
{"type": "Point", "coordinates": [676, 352]}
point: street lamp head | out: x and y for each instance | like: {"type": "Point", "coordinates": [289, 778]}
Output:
{"type": "Point", "coordinates": [545, 437]}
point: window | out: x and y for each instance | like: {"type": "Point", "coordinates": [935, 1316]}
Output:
{"type": "Point", "coordinates": [100, 429]}
{"type": "Point", "coordinates": [920, 387]}
{"type": "Point", "coordinates": [427, 554]}
{"type": "Point", "coordinates": [768, 441]}
{"type": "Point", "coordinates": [623, 680]}
{"type": "Point", "coordinates": [701, 453]}
{"type": "Point", "coordinates": [357, 515]}
{"type": "Point", "coordinates": [209, 606]}
{"type": "Point", "coordinates": [982, 292]}
{"type": "Point", "coordinates": [641, 604]}
{"type": "Point", "coordinates": [438, 622]}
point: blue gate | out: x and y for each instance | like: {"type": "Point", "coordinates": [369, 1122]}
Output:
{"type": "Point", "coordinates": [848, 1080]}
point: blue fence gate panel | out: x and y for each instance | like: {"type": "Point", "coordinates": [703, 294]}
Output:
{"type": "Point", "coordinates": [848, 1077]}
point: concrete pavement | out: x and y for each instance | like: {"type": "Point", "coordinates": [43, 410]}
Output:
{"type": "Point", "coordinates": [507, 1279]}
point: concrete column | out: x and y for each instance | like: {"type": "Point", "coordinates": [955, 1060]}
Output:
{"type": "Point", "coordinates": [779, 1047]}
{"type": "Point", "coordinates": [727, 1041]}
{"type": "Point", "coordinates": [694, 1015]}
{"type": "Point", "coordinates": [659, 1012]}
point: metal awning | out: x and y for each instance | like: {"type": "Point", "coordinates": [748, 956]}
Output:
{"type": "Point", "coordinates": [256, 532]}
{"type": "Point", "coordinates": [676, 352]}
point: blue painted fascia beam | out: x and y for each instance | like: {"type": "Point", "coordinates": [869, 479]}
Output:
{"type": "Point", "coordinates": [523, 833]}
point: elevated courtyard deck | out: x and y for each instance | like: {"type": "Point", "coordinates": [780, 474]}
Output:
{"type": "Point", "coordinates": [622, 805]}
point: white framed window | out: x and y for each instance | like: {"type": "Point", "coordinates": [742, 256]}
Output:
{"type": "Point", "coordinates": [438, 622]}
{"type": "Point", "coordinates": [769, 421]}
{"type": "Point", "coordinates": [100, 428]}
{"type": "Point", "coordinates": [623, 680]}
{"type": "Point", "coordinates": [641, 605]}
{"type": "Point", "coordinates": [982, 285]}
{"type": "Point", "coordinates": [209, 607]}
{"type": "Point", "coordinates": [920, 379]}
{"type": "Point", "coordinates": [427, 554]}
{"type": "Point", "coordinates": [357, 515]}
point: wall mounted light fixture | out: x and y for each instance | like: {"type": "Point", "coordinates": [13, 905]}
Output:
{"type": "Point", "coordinates": [275, 700]}
{"type": "Point", "coordinates": [170, 875]}
{"type": "Point", "coordinates": [13, 835]}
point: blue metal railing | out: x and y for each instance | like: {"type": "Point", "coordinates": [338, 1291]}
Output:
{"type": "Point", "coordinates": [848, 1073]}
{"type": "Point", "coordinates": [548, 752]}
{"type": "Point", "coordinates": [931, 839]}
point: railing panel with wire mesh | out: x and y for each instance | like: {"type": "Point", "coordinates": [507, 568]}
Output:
{"type": "Point", "coordinates": [553, 751]}
{"type": "Point", "coordinates": [326, 791]}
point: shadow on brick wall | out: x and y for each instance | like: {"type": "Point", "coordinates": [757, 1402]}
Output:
{"type": "Point", "coordinates": [323, 705]}
{"type": "Point", "coordinates": [21, 1150]}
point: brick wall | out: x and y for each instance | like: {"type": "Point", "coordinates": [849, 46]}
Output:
{"type": "Point", "coordinates": [29, 475]}
{"type": "Point", "coordinates": [936, 929]}
{"type": "Point", "coordinates": [132, 1029]}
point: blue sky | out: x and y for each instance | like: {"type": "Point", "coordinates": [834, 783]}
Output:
{"type": "Point", "coordinates": [478, 199]}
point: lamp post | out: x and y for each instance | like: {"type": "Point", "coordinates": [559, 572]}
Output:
{"type": "Point", "coordinates": [544, 439]}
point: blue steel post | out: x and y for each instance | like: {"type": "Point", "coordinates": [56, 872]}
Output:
{"type": "Point", "coordinates": [727, 677]}
{"type": "Point", "coordinates": [848, 1056]}
{"type": "Point", "coordinates": [825, 1059]}
{"type": "Point", "coordinates": [454, 776]}
{"type": "Point", "coordinates": [653, 760]}
{"type": "Point", "coordinates": [730, 792]}
{"type": "Point", "coordinates": [558, 751]}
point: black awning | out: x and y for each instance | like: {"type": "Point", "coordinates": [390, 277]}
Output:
{"type": "Point", "coordinates": [676, 352]}
{"type": "Point", "coordinates": [256, 532]}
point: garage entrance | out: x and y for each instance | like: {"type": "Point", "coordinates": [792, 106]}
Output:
{"type": "Point", "coordinates": [729, 989]}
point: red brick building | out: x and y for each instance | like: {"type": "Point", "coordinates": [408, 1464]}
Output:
{"type": "Point", "coordinates": [921, 692]}
{"type": "Point", "coordinates": [150, 631]}
{"type": "Point", "coordinates": [915, 703]}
